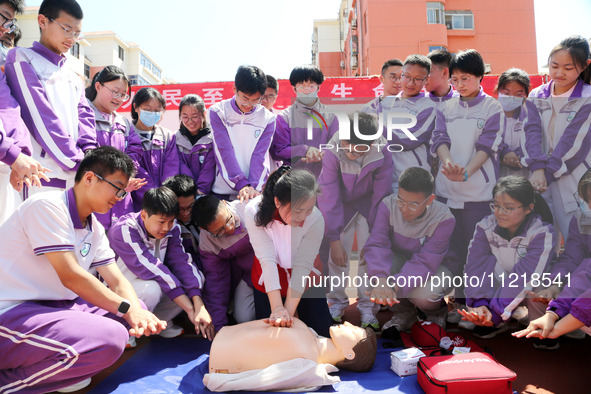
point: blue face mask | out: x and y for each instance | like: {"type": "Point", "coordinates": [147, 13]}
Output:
{"type": "Point", "coordinates": [584, 207]}
{"type": "Point", "coordinates": [149, 118]}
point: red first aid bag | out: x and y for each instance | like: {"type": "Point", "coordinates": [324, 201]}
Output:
{"type": "Point", "coordinates": [465, 373]}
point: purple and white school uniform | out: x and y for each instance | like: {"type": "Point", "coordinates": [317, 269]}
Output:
{"type": "Point", "coordinates": [14, 140]}
{"type": "Point", "coordinates": [352, 188]}
{"type": "Point", "coordinates": [512, 262]}
{"type": "Point", "coordinates": [467, 127]}
{"type": "Point", "coordinates": [575, 299]}
{"type": "Point", "coordinates": [53, 337]}
{"type": "Point", "coordinates": [577, 247]}
{"type": "Point", "coordinates": [403, 249]}
{"type": "Point", "coordinates": [159, 269]}
{"type": "Point", "coordinates": [55, 110]}
{"type": "Point", "coordinates": [197, 159]}
{"type": "Point", "coordinates": [227, 263]}
{"type": "Point", "coordinates": [291, 138]}
{"type": "Point", "coordinates": [513, 133]}
{"type": "Point", "coordinates": [439, 100]}
{"type": "Point", "coordinates": [116, 131]}
{"type": "Point", "coordinates": [557, 139]}
{"type": "Point", "coordinates": [158, 160]}
{"type": "Point", "coordinates": [241, 144]}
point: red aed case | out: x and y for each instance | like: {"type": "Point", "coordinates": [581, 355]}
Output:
{"type": "Point", "coordinates": [465, 373]}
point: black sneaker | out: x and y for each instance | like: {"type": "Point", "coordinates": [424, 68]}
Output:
{"type": "Point", "coordinates": [489, 332]}
{"type": "Point", "coordinates": [546, 344]}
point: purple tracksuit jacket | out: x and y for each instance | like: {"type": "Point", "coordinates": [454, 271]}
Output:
{"type": "Point", "coordinates": [14, 136]}
{"type": "Point", "coordinates": [197, 161]}
{"type": "Point", "coordinates": [174, 270]}
{"type": "Point", "coordinates": [576, 298]}
{"type": "Point", "coordinates": [491, 252]}
{"type": "Point", "coordinates": [351, 186]}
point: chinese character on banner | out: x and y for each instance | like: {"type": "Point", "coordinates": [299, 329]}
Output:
{"type": "Point", "coordinates": [341, 90]}
{"type": "Point", "coordinates": [379, 90]}
{"type": "Point", "coordinates": [172, 97]}
{"type": "Point", "coordinates": [127, 104]}
{"type": "Point", "coordinates": [212, 95]}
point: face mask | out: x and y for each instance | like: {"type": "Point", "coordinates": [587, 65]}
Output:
{"type": "Point", "coordinates": [149, 118]}
{"type": "Point", "coordinates": [307, 99]}
{"type": "Point", "coordinates": [584, 207]}
{"type": "Point", "coordinates": [510, 103]}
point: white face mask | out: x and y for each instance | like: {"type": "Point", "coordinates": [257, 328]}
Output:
{"type": "Point", "coordinates": [510, 103]}
{"type": "Point", "coordinates": [307, 99]}
{"type": "Point", "coordinates": [584, 207]}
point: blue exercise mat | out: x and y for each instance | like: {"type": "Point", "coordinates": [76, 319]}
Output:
{"type": "Point", "coordinates": [177, 365]}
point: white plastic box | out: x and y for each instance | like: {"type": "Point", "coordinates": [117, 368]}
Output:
{"type": "Point", "coordinates": [404, 362]}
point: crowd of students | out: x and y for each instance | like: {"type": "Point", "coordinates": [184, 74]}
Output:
{"type": "Point", "coordinates": [225, 218]}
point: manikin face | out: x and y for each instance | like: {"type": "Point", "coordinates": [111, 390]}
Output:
{"type": "Point", "coordinates": [297, 215]}
{"type": "Point", "coordinates": [157, 225]}
{"type": "Point", "coordinates": [345, 336]}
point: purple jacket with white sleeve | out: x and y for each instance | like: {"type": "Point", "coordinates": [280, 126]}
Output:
{"type": "Point", "coordinates": [14, 136]}
{"type": "Point", "coordinates": [492, 257]}
{"type": "Point", "coordinates": [226, 260]}
{"type": "Point", "coordinates": [575, 298]}
{"type": "Point", "coordinates": [197, 161]}
{"type": "Point", "coordinates": [163, 260]}
{"type": "Point", "coordinates": [577, 248]}
{"type": "Point", "coordinates": [351, 186]}
{"type": "Point", "coordinates": [423, 242]}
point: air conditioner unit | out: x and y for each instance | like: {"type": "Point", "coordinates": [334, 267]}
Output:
{"type": "Point", "coordinates": [354, 23]}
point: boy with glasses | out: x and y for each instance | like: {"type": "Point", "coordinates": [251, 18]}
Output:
{"type": "Point", "coordinates": [410, 238]}
{"type": "Point", "coordinates": [390, 79]}
{"type": "Point", "coordinates": [151, 256]}
{"type": "Point", "coordinates": [291, 143]}
{"type": "Point", "coordinates": [271, 94]}
{"type": "Point", "coordinates": [356, 175]}
{"type": "Point", "coordinates": [51, 96]}
{"type": "Point", "coordinates": [227, 257]}
{"type": "Point", "coordinates": [242, 132]}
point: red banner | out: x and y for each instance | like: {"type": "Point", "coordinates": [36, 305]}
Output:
{"type": "Point", "coordinates": [345, 90]}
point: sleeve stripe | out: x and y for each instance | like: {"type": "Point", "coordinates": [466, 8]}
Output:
{"type": "Point", "coordinates": [53, 248]}
{"type": "Point", "coordinates": [218, 155]}
{"type": "Point", "coordinates": [38, 121]}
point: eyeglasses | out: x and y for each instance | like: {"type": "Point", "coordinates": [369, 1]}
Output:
{"type": "Point", "coordinates": [460, 81]}
{"type": "Point", "coordinates": [270, 97]}
{"type": "Point", "coordinates": [194, 118]}
{"type": "Point", "coordinates": [394, 77]}
{"type": "Point", "coordinates": [250, 103]}
{"type": "Point", "coordinates": [187, 209]}
{"type": "Point", "coordinates": [70, 33]}
{"type": "Point", "coordinates": [121, 193]}
{"type": "Point", "coordinates": [309, 88]}
{"type": "Point", "coordinates": [412, 206]}
{"type": "Point", "coordinates": [8, 23]}
{"type": "Point", "coordinates": [505, 211]}
{"type": "Point", "coordinates": [116, 95]}
{"type": "Point", "coordinates": [222, 230]}
{"type": "Point", "coordinates": [415, 80]}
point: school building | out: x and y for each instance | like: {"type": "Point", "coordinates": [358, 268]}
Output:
{"type": "Point", "coordinates": [98, 50]}
{"type": "Point", "coordinates": [369, 32]}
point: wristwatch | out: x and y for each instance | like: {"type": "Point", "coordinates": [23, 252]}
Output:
{"type": "Point", "coordinates": [123, 308]}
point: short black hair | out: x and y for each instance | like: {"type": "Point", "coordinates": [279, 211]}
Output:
{"type": "Point", "coordinates": [250, 80]}
{"type": "Point", "coordinates": [469, 62]}
{"type": "Point", "coordinates": [416, 180]}
{"type": "Point", "coordinates": [419, 60]}
{"type": "Point", "coordinates": [305, 73]}
{"type": "Point", "coordinates": [51, 8]}
{"type": "Point", "coordinates": [514, 75]}
{"type": "Point", "coordinates": [368, 125]}
{"type": "Point", "coordinates": [205, 210]}
{"type": "Point", "coordinates": [160, 201]}
{"type": "Point", "coordinates": [272, 83]}
{"type": "Point", "coordinates": [17, 5]}
{"type": "Point", "coordinates": [440, 57]}
{"type": "Point", "coordinates": [390, 63]}
{"type": "Point", "coordinates": [105, 160]}
{"type": "Point", "coordinates": [182, 185]}
{"type": "Point", "coordinates": [142, 96]}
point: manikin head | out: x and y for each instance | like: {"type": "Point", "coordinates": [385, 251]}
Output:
{"type": "Point", "coordinates": [358, 345]}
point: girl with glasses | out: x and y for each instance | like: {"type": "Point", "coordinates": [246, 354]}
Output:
{"type": "Point", "coordinates": [108, 90]}
{"type": "Point", "coordinates": [511, 250]}
{"type": "Point", "coordinates": [194, 143]}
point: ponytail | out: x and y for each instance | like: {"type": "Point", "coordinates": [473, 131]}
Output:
{"type": "Point", "coordinates": [520, 189]}
{"type": "Point", "coordinates": [267, 206]}
{"type": "Point", "coordinates": [541, 208]}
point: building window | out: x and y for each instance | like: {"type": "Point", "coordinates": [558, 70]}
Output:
{"type": "Point", "coordinates": [75, 50]}
{"type": "Point", "coordinates": [435, 12]}
{"type": "Point", "coordinates": [87, 71]}
{"type": "Point", "coordinates": [435, 47]}
{"type": "Point", "coordinates": [121, 53]}
{"type": "Point", "coordinates": [137, 80]}
{"type": "Point", "coordinates": [459, 20]}
{"type": "Point", "coordinates": [365, 22]}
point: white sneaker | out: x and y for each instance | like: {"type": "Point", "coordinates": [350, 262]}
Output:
{"type": "Point", "coordinates": [172, 330]}
{"type": "Point", "coordinates": [466, 325]}
{"type": "Point", "coordinates": [76, 386]}
{"type": "Point", "coordinates": [131, 343]}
